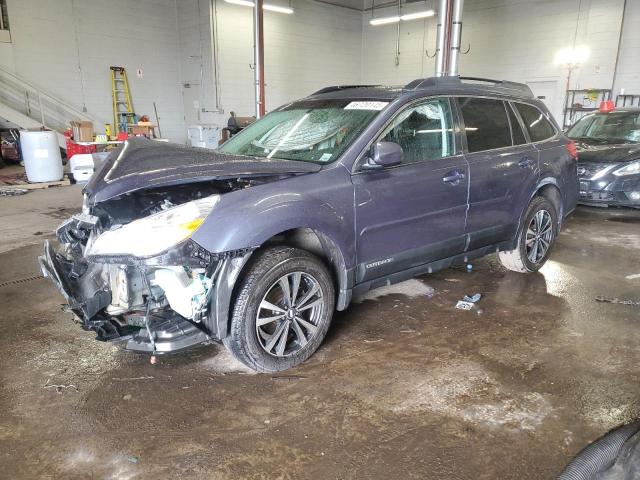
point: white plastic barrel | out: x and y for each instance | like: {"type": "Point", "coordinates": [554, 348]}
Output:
{"type": "Point", "coordinates": [41, 155]}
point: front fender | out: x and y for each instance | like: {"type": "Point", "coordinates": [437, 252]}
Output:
{"type": "Point", "coordinates": [247, 218]}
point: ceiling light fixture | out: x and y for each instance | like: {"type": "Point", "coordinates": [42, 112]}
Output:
{"type": "Point", "coordinates": [384, 20]}
{"type": "Point", "coordinates": [417, 15]}
{"type": "Point", "coordinates": [276, 8]}
{"type": "Point", "coordinates": [404, 18]}
{"type": "Point", "coordinates": [266, 6]}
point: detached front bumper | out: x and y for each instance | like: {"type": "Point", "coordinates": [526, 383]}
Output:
{"type": "Point", "coordinates": [124, 300]}
{"type": "Point", "coordinates": [610, 191]}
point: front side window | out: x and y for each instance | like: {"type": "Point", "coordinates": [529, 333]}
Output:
{"type": "Point", "coordinates": [486, 124]}
{"type": "Point", "coordinates": [615, 127]}
{"type": "Point", "coordinates": [315, 131]}
{"type": "Point", "coordinates": [425, 131]}
{"type": "Point", "coordinates": [536, 122]}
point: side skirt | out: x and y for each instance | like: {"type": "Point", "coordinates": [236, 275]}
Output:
{"type": "Point", "coordinates": [430, 267]}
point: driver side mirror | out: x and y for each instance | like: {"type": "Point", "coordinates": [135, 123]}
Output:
{"type": "Point", "coordinates": [383, 155]}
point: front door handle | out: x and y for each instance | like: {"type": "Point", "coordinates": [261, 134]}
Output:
{"type": "Point", "coordinates": [453, 177]}
{"type": "Point", "coordinates": [525, 162]}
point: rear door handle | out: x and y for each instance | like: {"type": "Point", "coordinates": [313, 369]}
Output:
{"type": "Point", "coordinates": [453, 177]}
{"type": "Point", "coordinates": [525, 162]}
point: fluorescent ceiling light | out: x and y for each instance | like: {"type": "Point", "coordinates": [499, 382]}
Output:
{"type": "Point", "coordinates": [244, 3]}
{"type": "Point", "coordinates": [276, 8]}
{"type": "Point", "coordinates": [384, 21]}
{"type": "Point", "coordinates": [404, 18]}
{"type": "Point", "coordinates": [415, 16]}
{"type": "Point", "coordinates": [272, 8]}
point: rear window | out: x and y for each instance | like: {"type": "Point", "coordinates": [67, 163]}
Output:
{"type": "Point", "coordinates": [516, 129]}
{"type": "Point", "coordinates": [537, 124]}
{"type": "Point", "coordinates": [486, 124]}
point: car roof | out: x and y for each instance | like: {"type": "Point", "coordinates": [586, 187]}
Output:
{"type": "Point", "coordinates": [427, 86]}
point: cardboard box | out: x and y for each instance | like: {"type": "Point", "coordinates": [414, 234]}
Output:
{"type": "Point", "coordinates": [142, 130]}
{"type": "Point", "coordinates": [82, 131]}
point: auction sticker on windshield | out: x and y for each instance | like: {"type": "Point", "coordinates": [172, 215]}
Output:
{"type": "Point", "coordinates": [366, 105]}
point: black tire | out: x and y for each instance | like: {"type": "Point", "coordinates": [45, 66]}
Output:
{"type": "Point", "coordinates": [517, 259]}
{"type": "Point", "coordinates": [263, 274]}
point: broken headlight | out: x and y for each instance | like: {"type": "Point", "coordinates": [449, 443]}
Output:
{"type": "Point", "coordinates": [154, 234]}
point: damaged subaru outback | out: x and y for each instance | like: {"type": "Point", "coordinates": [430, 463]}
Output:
{"type": "Point", "coordinates": [257, 244]}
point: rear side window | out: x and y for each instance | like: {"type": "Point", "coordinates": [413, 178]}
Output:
{"type": "Point", "coordinates": [516, 129]}
{"type": "Point", "coordinates": [486, 124]}
{"type": "Point", "coordinates": [539, 127]}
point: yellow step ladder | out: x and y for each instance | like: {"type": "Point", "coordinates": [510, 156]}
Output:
{"type": "Point", "coordinates": [123, 115]}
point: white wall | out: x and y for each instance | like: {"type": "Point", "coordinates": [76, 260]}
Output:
{"type": "Point", "coordinates": [66, 47]}
{"type": "Point", "coordinates": [510, 39]}
{"type": "Point", "coordinates": [317, 46]}
{"type": "Point", "coordinates": [628, 76]}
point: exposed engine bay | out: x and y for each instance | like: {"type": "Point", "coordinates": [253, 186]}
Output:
{"type": "Point", "coordinates": [128, 266]}
{"type": "Point", "coordinates": [161, 302]}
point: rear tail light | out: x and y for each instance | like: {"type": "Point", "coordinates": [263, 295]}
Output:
{"type": "Point", "coordinates": [571, 148]}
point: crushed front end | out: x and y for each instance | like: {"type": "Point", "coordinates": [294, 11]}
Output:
{"type": "Point", "coordinates": [142, 279]}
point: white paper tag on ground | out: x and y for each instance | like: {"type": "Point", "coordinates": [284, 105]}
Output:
{"type": "Point", "coordinates": [462, 305]}
{"type": "Point", "coordinates": [366, 105]}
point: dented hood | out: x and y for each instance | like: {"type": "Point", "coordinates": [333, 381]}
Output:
{"type": "Point", "coordinates": [140, 164]}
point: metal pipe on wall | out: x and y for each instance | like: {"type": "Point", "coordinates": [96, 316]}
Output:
{"type": "Point", "coordinates": [398, 36]}
{"type": "Point", "coordinates": [442, 38]}
{"type": "Point", "coordinates": [215, 67]}
{"type": "Point", "coordinates": [456, 36]}
{"type": "Point", "coordinates": [258, 56]}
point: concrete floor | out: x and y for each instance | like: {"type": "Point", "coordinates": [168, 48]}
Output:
{"type": "Point", "coordinates": [405, 386]}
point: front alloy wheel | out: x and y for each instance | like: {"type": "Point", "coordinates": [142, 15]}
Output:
{"type": "Point", "coordinates": [282, 309]}
{"type": "Point", "coordinates": [289, 314]}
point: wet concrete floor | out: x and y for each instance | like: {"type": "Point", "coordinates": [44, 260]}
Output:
{"type": "Point", "coordinates": [405, 385]}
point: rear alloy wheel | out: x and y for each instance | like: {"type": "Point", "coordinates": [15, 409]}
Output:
{"type": "Point", "coordinates": [538, 233]}
{"type": "Point", "coordinates": [538, 236]}
{"type": "Point", "coordinates": [282, 310]}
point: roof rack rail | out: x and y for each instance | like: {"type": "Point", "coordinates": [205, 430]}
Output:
{"type": "Point", "coordinates": [341, 87]}
{"type": "Point", "coordinates": [521, 88]}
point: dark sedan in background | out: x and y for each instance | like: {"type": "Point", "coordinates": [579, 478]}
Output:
{"type": "Point", "coordinates": [608, 145]}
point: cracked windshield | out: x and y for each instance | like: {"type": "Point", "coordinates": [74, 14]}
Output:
{"type": "Point", "coordinates": [308, 131]}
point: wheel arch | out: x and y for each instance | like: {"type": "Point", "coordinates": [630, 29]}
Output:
{"type": "Point", "coordinates": [305, 238]}
{"type": "Point", "coordinates": [549, 189]}
{"type": "Point", "coordinates": [324, 247]}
